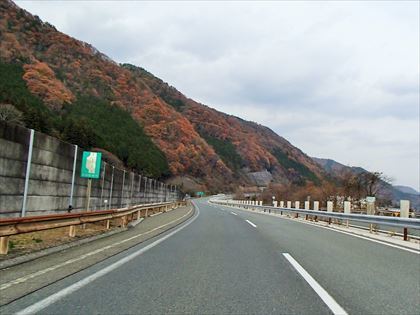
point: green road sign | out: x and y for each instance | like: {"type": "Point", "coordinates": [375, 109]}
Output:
{"type": "Point", "coordinates": [199, 193]}
{"type": "Point", "coordinates": [91, 164]}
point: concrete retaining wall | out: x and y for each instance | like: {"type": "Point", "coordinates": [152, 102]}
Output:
{"type": "Point", "coordinates": [50, 178]}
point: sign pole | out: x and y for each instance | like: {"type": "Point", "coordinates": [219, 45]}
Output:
{"type": "Point", "coordinates": [90, 168]}
{"type": "Point", "coordinates": [88, 190]}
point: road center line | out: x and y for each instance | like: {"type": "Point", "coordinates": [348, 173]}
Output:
{"type": "Point", "coordinates": [233, 213]}
{"type": "Point", "coordinates": [70, 261]}
{"type": "Point", "coordinates": [324, 295]}
{"type": "Point", "coordinates": [251, 223]}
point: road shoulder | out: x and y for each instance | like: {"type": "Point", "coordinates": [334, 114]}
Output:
{"type": "Point", "coordinates": [27, 277]}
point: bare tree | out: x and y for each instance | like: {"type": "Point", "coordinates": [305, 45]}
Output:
{"type": "Point", "coordinates": [10, 114]}
{"type": "Point", "coordinates": [374, 182]}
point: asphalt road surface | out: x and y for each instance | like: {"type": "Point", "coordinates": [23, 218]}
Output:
{"type": "Point", "coordinates": [227, 261]}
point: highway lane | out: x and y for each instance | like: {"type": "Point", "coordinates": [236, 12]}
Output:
{"type": "Point", "coordinates": [366, 277]}
{"type": "Point", "coordinates": [221, 264]}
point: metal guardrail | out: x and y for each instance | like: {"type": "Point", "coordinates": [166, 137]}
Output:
{"type": "Point", "coordinates": [372, 219]}
{"type": "Point", "coordinates": [14, 226]}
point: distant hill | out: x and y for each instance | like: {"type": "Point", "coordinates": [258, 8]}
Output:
{"type": "Point", "coordinates": [67, 88]}
{"type": "Point", "coordinates": [336, 169]}
{"type": "Point", "coordinates": [406, 190]}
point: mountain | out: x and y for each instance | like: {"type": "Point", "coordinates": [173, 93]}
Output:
{"type": "Point", "coordinates": [397, 193]}
{"type": "Point", "coordinates": [67, 88]}
{"type": "Point", "coordinates": [335, 168]}
{"type": "Point", "coordinates": [406, 189]}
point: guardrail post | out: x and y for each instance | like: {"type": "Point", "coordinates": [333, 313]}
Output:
{"type": "Point", "coordinates": [289, 204]}
{"type": "Point", "coordinates": [297, 206]}
{"type": "Point", "coordinates": [124, 220]}
{"type": "Point", "coordinates": [72, 230]}
{"type": "Point", "coordinates": [281, 204]}
{"type": "Point", "coordinates": [107, 224]}
{"type": "Point", "coordinates": [4, 245]}
{"type": "Point", "coordinates": [404, 213]}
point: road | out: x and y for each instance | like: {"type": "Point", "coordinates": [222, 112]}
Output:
{"type": "Point", "coordinates": [228, 261]}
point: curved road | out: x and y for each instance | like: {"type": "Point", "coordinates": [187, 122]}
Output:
{"type": "Point", "coordinates": [227, 261]}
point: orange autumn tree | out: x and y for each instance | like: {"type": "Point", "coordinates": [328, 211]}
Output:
{"type": "Point", "coordinates": [42, 82]}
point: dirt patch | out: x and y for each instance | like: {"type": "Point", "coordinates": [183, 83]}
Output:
{"type": "Point", "coordinates": [31, 242]}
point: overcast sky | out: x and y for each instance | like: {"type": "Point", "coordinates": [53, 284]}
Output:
{"type": "Point", "coordinates": [337, 79]}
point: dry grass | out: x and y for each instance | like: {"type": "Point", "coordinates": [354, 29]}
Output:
{"type": "Point", "coordinates": [30, 242]}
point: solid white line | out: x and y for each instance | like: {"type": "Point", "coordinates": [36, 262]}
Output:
{"type": "Point", "coordinates": [328, 299]}
{"type": "Point", "coordinates": [251, 223]}
{"type": "Point", "coordinates": [374, 240]}
{"type": "Point", "coordinates": [233, 213]}
{"type": "Point", "coordinates": [38, 306]}
{"type": "Point", "coordinates": [340, 231]}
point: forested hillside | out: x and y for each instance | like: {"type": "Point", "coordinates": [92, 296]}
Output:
{"type": "Point", "coordinates": [66, 88]}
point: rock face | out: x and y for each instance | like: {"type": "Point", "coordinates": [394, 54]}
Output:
{"type": "Point", "coordinates": [217, 149]}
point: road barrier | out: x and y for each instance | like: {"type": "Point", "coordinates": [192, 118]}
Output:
{"type": "Point", "coordinates": [41, 175]}
{"type": "Point", "coordinates": [14, 226]}
{"type": "Point", "coordinates": [404, 223]}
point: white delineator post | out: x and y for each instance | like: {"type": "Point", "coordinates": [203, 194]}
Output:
{"type": "Point", "coordinates": [306, 208]}
{"type": "Point", "coordinates": [275, 202]}
{"type": "Point", "coordinates": [289, 204]}
{"type": "Point", "coordinates": [330, 205]}
{"type": "Point", "coordinates": [404, 213]}
{"type": "Point", "coordinates": [281, 204]}
{"type": "Point", "coordinates": [297, 206]}
{"type": "Point", "coordinates": [404, 208]}
{"type": "Point", "coordinates": [347, 210]}
{"type": "Point", "coordinates": [316, 205]}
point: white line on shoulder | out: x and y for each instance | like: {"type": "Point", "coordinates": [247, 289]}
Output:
{"type": "Point", "coordinates": [40, 305]}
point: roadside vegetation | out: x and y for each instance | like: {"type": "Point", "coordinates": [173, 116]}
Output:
{"type": "Point", "coordinates": [87, 121]}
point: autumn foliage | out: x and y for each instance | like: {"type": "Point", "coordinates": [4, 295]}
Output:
{"type": "Point", "coordinates": [58, 68]}
{"type": "Point", "coordinates": [42, 82]}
